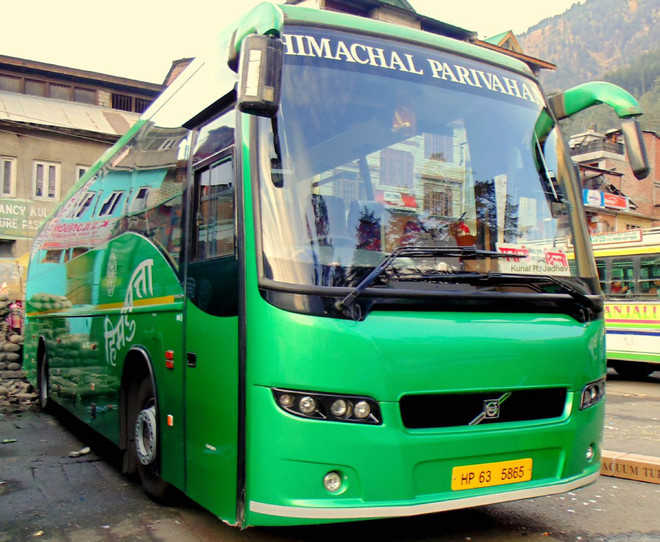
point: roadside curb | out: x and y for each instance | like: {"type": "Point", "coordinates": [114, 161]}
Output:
{"type": "Point", "coordinates": [643, 468]}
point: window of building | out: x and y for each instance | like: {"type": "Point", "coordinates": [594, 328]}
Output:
{"type": "Point", "coordinates": [141, 104]}
{"type": "Point", "coordinates": [35, 88]}
{"type": "Point", "coordinates": [12, 84]}
{"type": "Point", "coordinates": [122, 102]}
{"type": "Point", "coordinates": [46, 180]}
{"type": "Point", "coordinates": [80, 171]}
{"type": "Point", "coordinates": [60, 92]}
{"type": "Point", "coordinates": [84, 95]}
{"type": "Point", "coordinates": [111, 203]}
{"type": "Point", "coordinates": [7, 248]}
{"type": "Point", "coordinates": [139, 203]}
{"type": "Point", "coordinates": [7, 176]}
{"type": "Point", "coordinates": [439, 147]}
{"type": "Point", "coordinates": [437, 202]}
{"type": "Point", "coordinates": [396, 168]}
{"type": "Point", "coordinates": [85, 203]}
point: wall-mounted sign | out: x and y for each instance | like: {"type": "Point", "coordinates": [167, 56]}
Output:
{"type": "Point", "coordinates": [618, 237]}
{"type": "Point", "coordinates": [592, 198]}
{"type": "Point", "coordinates": [615, 202]}
{"type": "Point", "coordinates": [21, 218]}
{"type": "Point", "coordinates": [392, 198]}
{"type": "Point", "coordinates": [596, 198]}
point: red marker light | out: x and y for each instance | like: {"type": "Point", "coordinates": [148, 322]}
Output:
{"type": "Point", "coordinates": [169, 359]}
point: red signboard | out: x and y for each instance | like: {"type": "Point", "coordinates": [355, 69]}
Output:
{"type": "Point", "coordinates": [615, 202]}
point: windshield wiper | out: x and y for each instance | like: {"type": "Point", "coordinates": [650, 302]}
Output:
{"type": "Point", "coordinates": [576, 294]}
{"type": "Point", "coordinates": [415, 252]}
{"type": "Point", "coordinates": [565, 286]}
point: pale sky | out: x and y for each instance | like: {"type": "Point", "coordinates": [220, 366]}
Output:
{"type": "Point", "coordinates": [140, 38]}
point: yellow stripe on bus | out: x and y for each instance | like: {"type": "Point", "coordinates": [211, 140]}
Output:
{"type": "Point", "coordinates": [625, 251]}
{"type": "Point", "coordinates": [164, 300]}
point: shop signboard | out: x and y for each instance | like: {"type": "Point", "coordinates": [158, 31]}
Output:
{"type": "Point", "coordinates": [592, 198]}
{"type": "Point", "coordinates": [21, 218]}
{"type": "Point", "coordinates": [614, 201]}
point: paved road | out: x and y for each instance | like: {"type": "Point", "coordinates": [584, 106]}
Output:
{"type": "Point", "coordinates": [48, 496]}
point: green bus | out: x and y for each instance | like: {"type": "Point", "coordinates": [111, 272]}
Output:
{"type": "Point", "coordinates": [324, 278]}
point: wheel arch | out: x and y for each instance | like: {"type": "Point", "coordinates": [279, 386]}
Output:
{"type": "Point", "coordinates": [137, 366]}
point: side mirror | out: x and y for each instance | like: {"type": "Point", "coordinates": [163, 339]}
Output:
{"type": "Point", "coordinates": [581, 97]}
{"type": "Point", "coordinates": [260, 75]}
{"type": "Point", "coordinates": [635, 148]}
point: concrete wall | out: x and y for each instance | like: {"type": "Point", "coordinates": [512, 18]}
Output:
{"type": "Point", "coordinates": [23, 214]}
{"type": "Point", "coordinates": [643, 192]}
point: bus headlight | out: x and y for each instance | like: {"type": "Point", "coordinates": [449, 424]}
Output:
{"type": "Point", "coordinates": [362, 409]}
{"type": "Point", "coordinates": [307, 405]}
{"type": "Point", "coordinates": [592, 393]}
{"type": "Point", "coordinates": [339, 408]}
{"type": "Point", "coordinates": [328, 406]}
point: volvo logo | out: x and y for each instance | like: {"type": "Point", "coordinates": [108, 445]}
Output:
{"type": "Point", "coordinates": [491, 409]}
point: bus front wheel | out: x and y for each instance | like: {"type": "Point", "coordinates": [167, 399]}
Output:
{"type": "Point", "coordinates": [147, 443]}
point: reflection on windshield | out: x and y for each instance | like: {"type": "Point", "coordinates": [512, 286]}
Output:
{"type": "Point", "coordinates": [362, 161]}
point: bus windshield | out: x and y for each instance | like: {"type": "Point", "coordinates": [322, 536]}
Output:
{"type": "Point", "coordinates": [379, 145]}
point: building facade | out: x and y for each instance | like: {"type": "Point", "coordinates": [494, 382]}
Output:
{"type": "Point", "coordinates": [614, 199]}
{"type": "Point", "coordinates": [54, 124]}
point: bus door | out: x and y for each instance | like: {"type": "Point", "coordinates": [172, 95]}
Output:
{"type": "Point", "coordinates": [211, 323]}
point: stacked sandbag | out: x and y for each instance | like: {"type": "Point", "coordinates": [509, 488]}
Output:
{"type": "Point", "coordinates": [4, 307]}
{"type": "Point", "coordinates": [49, 302]}
{"type": "Point", "coordinates": [15, 391]}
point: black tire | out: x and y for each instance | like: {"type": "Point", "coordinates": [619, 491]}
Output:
{"type": "Point", "coordinates": [43, 383]}
{"type": "Point", "coordinates": [146, 442]}
{"type": "Point", "coordinates": [633, 370]}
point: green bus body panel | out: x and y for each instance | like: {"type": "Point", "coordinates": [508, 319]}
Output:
{"type": "Point", "coordinates": [83, 337]}
{"type": "Point", "coordinates": [212, 411]}
{"type": "Point", "coordinates": [392, 354]}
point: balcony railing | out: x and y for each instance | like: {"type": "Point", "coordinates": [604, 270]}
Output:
{"type": "Point", "coordinates": [597, 146]}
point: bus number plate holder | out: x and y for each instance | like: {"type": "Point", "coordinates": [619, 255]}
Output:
{"type": "Point", "coordinates": [491, 474]}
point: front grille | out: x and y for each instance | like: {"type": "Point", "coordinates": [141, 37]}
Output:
{"type": "Point", "coordinates": [456, 409]}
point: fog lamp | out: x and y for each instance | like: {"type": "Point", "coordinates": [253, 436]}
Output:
{"type": "Point", "coordinates": [592, 393]}
{"type": "Point", "coordinates": [332, 481]}
{"type": "Point", "coordinates": [307, 405]}
{"type": "Point", "coordinates": [589, 454]}
{"type": "Point", "coordinates": [362, 409]}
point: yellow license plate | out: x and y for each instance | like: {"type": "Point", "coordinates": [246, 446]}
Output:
{"type": "Point", "coordinates": [491, 474]}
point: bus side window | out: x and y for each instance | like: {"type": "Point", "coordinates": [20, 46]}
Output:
{"type": "Point", "coordinates": [649, 275]}
{"type": "Point", "coordinates": [212, 280]}
{"type": "Point", "coordinates": [601, 265]}
{"type": "Point", "coordinates": [214, 218]}
{"type": "Point", "coordinates": [622, 280]}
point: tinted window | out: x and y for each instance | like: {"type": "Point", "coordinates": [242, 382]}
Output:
{"type": "Point", "coordinates": [212, 271]}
